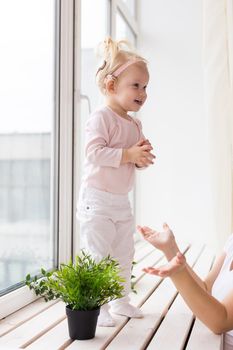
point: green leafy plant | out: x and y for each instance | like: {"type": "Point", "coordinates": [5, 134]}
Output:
{"type": "Point", "coordinates": [83, 285]}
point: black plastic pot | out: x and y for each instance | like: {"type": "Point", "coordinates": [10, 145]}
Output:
{"type": "Point", "coordinates": [82, 324]}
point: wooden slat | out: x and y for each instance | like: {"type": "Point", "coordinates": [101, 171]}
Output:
{"type": "Point", "coordinates": [201, 335]}
{"type": "Point", "coordinates": [150, 260]}
{"type": "Point", "coordinates": [178, 321]}
{"type": "Point", "coordinates": [21, 316]}
{"type": "Point", "coordinates": [179, 317]}
{"type": "Point", "coordinates": [205, 262]}
{"type": "Point", "coordinates": [35, 327]}
{"type": "Point", "coordinates": [53, 339]}
{"type": "Point", "coordinates": [202, 338]}
{"type": "Point", "coordinates": [154, 310]}
{"type": "Point", "coordinates": [140, 243]}
{"type": "Point", "coordinates": [145, 250]}
{"type": "Point", "coordinates": [104, 335]}
{"type": "Point", "coordinates": [28, 339]}
{"type": "Point", "coordinates": [144, 288]}
{"type": "Point", "coordinates": [137, 332]}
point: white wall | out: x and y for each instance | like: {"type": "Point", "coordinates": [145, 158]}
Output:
{"type": "Point", "coordinates": [175, 189]}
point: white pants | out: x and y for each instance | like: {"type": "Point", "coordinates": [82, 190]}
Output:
{"type": "Point", "coordinates": [106, 228]}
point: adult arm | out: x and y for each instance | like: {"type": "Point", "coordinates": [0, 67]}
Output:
{"type": "Point", "coordinates": [216, 315]}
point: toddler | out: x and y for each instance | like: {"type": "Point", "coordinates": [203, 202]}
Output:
{"type": "Point", "coordinates": [115, 146]}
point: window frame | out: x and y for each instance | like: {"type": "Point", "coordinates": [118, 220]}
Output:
{"type": "Point", "coordinates": [62, 150]}
{"type": "Point", "coordinates": [127, 16]}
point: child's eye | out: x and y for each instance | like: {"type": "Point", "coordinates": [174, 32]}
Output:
{"type": "Point", "coordinates": [136, 85]}
{"type": "Point", "coordinates": [144, 87]}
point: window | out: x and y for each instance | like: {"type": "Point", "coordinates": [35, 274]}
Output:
{"type": "Point", "coordinates": [123, 30]}
{"type": "Point", "coordinates": [131, 6]}
{"type": "Point", "coordinates": [125, 19]}
{"type": "Point", "coordinates": [27, 139]}
{"type": "Point", "coordinates": [47, 87]}
{"type": "Point", "coordinates": [93, 31]}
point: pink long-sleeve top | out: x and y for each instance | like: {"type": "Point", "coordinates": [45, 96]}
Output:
{"type": "Point", "coordinates": [107, 134]}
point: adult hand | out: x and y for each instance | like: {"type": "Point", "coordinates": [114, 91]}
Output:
{"type": "Point", "coordinates": [158, 239]}
{"type": "Point", "coordinates": [164, 241]}
{"type": "Point", "coordinates": [174, 266]}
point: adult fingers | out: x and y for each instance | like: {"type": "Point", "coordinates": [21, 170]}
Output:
{"type": "Point", "coordinates": [153, 271]}
{"type": "Point", "coordinates": [165, 226]}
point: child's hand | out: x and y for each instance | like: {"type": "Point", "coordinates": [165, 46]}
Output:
{"type": "Point", "coordinates": [139, 154]}
{"type": "Point", "coordinates": [175, 265]}
{"type": "Point", "coordinates": [145, 142]}
{"type": "Point", "coordinates": [144, 162]}
{"type": "Point", "coordinates": [159, 240]}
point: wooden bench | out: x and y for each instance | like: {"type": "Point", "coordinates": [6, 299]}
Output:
{"type": "Point", "coordinates": [168, 324]}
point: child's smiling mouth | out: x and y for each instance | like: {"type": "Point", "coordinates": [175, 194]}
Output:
{"type": "Point", "coordinates": [139, 102]}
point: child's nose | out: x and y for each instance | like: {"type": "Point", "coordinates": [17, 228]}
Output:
{"type": "Point", "coordinates": [143, 93]}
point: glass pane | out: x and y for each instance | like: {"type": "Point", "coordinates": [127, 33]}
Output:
{"type": "Point", "coordinates": [123, 31]}
{"type": "Point", "coordinates": [27, 119]}
{"type": "Point", "coordinates": [131, 6]}
{"type": "Point", "coordinates": [94, 30]}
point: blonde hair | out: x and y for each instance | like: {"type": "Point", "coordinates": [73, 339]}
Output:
{"type": "Point", "coordinates": [114, 54]}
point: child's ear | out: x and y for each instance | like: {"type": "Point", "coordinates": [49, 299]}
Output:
{"type": "Point", "coordinates": [110, 86]}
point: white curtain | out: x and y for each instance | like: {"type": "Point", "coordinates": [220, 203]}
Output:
{"type": "Point", "coordinates": [218, 63]}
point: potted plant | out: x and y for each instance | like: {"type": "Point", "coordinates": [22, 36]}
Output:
{"type": "Point", "coordinates": [84, 286]}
